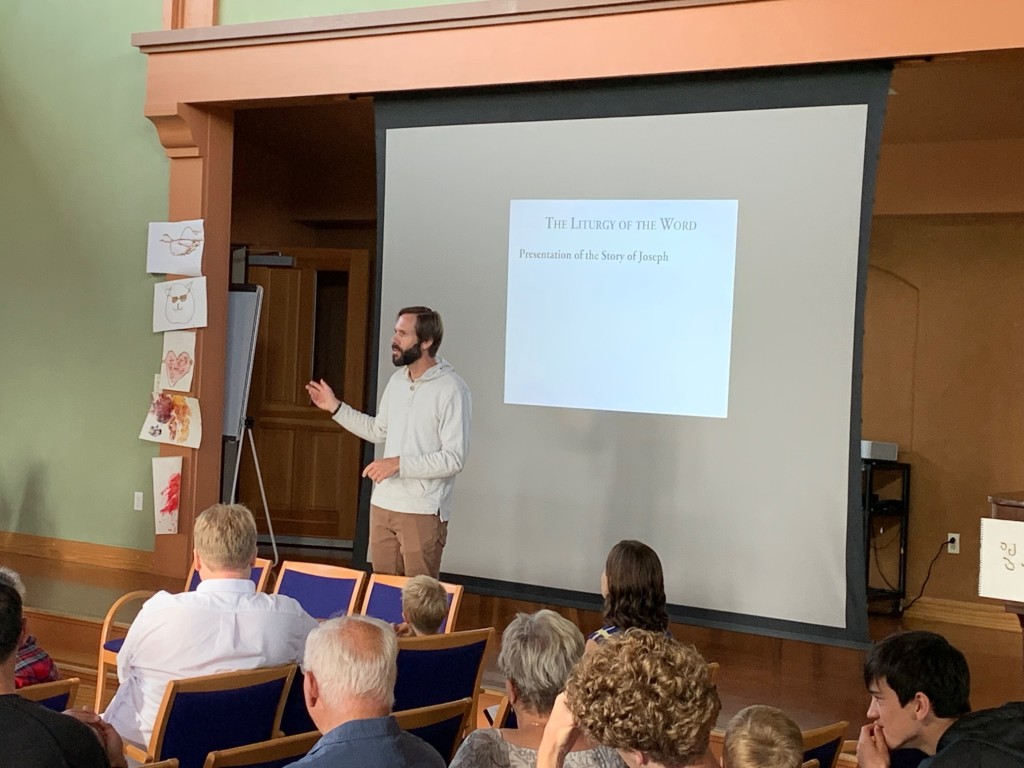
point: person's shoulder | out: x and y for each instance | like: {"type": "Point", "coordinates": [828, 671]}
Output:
{"type": "Point", "coordinates": [598, 757]}
{"type": "Point", "coordinates": [484, 740]}
{"type": "Point", "coordinates": [163, 599]}
{"type": "Point", "coordinates": [75, 739]}
{"type": "Point", "coordinates": [988, 737]}
{"type": "Point", "coordinates": [483, 748]}
{"type": "Point", "coordinates": [418, 753]}
{"type": "Point", "coordinates": [282, 604]}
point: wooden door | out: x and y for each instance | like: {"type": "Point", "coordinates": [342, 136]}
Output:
{"type": "Point", "coordinates": [313, 325]}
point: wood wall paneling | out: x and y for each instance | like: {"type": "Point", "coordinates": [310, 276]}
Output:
{"type": "Point", "coordinates": [961, 434]}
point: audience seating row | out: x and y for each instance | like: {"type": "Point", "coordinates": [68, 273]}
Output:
{"type": "Point", "coordinates": [441, 726]}
{"type": "Point", "coordinates": [323, 591]}
{"type": "Point", "coordinates": [249, 707]}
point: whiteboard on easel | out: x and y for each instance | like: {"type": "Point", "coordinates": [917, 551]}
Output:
{"type": "Point", "coordinates": [244, 302]}
{"type": "Point", "coordinates": [1001, 566]}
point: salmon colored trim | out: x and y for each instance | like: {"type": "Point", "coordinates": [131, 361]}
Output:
{"type": "Point", "coordinates": [185, 14]}
{"type": "Point", "coordinates": [715, 37]}
{"type": "Point", "coordinates": [403, 20]}
{"type": "Point", "coordinates": [199, 144]}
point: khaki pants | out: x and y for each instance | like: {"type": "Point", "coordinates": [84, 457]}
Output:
{"type": "Point", "coordinates": [406, 544]}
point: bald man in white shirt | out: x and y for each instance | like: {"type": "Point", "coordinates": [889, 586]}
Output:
{"type": "Point", "coordinates": [225, 625]}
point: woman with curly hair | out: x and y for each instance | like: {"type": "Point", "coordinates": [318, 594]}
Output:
{"type": "Point", "coordinates": [633, 587]}
{"type": "Point", "coordinates": [645, 695]}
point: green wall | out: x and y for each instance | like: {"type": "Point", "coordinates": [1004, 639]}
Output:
{"type": "Point", "coordinates": [81, 173]}
{"type": "Point", "coordinates": [242, 11]}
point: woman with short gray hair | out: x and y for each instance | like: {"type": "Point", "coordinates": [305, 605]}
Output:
{"type": "Point", "coordinates": [538, 651]}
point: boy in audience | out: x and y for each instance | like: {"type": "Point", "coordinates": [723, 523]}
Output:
{"type": "Point", "coordinates": [920, 688]}
{"type": "Point", "coordinates": [645, 695]}
{"type": "Point", "coordinates": [760, 736]}
{"type": "Point", "coordinates": [225, 625]}
{"type": "Point", "coordinates": [424, 606]}
{"type": "Point", "coordinates": [33, 665]}
{"type": "Point", "coordinates": [31, 735]}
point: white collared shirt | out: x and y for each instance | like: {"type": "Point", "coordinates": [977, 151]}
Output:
{"type": "Point", "coordinates": [224, 625]}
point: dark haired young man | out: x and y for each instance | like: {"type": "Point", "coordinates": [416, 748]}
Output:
{"type": "Point", "coordinates": [423, 421]}
{"type": "Point", "coordinates": [32, 736]}
{"type": "Point", "coordinates": [920, 698]}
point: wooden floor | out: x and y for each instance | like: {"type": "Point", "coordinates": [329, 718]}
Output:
{"type": "Point", "coordinates": [815, 684]}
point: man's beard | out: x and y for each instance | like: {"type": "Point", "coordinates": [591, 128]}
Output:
{"type": "Point", "coordinates": [406, 357]}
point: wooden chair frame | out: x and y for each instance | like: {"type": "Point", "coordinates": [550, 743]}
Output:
{"type": "Point", "coordinates": [43, 691]}
{"type": "Point", "coordinates": [823, 735]}
{"type": "Point", "coordinates": [170, 763]}
{"type": "Point", "coordinates": [223, 681]}
{"type": "Point", "coordinates": [501, 716]}
{"type": "Point", "coordinates": [455, 590]}
{"type": "Point", "coordinates": [265, 751]}
{"type": "Point", "coordinates": [259, 562]}
{"type": "Point", "coordinates": [411, 719]}
{"type": "Point", "coordinates": [327, 572]}
{"type": "Point", "coordinates": [111, 630]}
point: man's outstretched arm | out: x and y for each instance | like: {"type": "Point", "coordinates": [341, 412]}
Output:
{"type": "Point", "coordinates": [371, 428]}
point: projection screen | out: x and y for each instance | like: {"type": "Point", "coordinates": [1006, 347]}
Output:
{"type": "Point", "coordinates": [653, 289]}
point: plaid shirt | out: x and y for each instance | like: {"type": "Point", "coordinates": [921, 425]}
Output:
{"type": "Point", "coordinates": [33, 665]}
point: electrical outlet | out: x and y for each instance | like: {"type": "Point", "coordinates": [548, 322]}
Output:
{"type": "Point", "coordinates": [138, 501]}
{"type": "Point", "coordinates": [953, 543]}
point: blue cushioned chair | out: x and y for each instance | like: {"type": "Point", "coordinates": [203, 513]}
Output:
{"type": "Point", "coordinates": [439, 669]}
{"type": "Point", "coordinates": [58, 695]}
{"type": "Point", "coordinates": [275, 753]}
{"type": "Point", "coordinates": [204, 714]}
{"type": "Point", "coordinates": [112, 634]}
{"type": "Point", "coordinates": [324, 591]}
{"type": "Point", "coordinates": [824, 744]}
{"type": "Point", "coordinates": [384, 600]}
{"type": "Point", "coordinates": [441, 725]}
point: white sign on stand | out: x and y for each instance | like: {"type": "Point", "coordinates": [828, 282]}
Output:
{"type": "Point", "coordinates": [1001, 566]}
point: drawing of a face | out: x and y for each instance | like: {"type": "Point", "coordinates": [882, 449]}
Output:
{"type": "Point", "coordinates": [180, 305]}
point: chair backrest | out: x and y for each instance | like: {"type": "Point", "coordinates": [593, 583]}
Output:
{"type": "Point", "coordinates": [259, 574]}
{"type": "Point", "coordinates": [203, 714]}
{"type": "Point", "coordinates": [441, 725]}
{"type": "Point", "coordinates": [58, 695]}
{"type": "Point", "coordinates": [503, 716]}
{"type": "Point", "coordinates": [824, 744]}
{"type": "Point", "coordinates": [384, 600]}
{"type": "Point", "coordinates": [438, 669]}
{"type": "Point", "coordinates": [323, 591]}
{"type": "Point", "coordinates": [295, 718]}
{"type": "Point", "coordinates": [274, 753]}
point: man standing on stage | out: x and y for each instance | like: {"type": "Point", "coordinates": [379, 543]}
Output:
{"type": "Point", "coordinates": [423, 421]}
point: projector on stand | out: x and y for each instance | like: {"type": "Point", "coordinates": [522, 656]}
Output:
{"type": "Point", "coordinates": [878, 451]}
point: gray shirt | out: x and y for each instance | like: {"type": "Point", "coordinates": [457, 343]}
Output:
{"type": "Point", "coordinates": [485, 748]}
